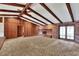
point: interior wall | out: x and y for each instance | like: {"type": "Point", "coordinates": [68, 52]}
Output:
{"type": "Point", "coordinates": [55, 31]}
{"type": "Point", "coordinates": [15, 27]}
{"type": "Point", "coordinates": [51, 30]}
{"type": "Point", "coordinates": [20, 28]}
{"type": "Point", "coordinates": [11, 27]}
{"type": "Point", "coordinates": [29, 29]}
{"type": "Point", "coordinates": [77, 32]}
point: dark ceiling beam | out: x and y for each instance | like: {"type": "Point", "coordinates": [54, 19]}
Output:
{"type": "Point", "coordinates": [8, 15]}
{"type": "Point", "coordinates": [3, 10]}
{"type": "Point", "coordinates": [46, 7]}
{"type": "Point", "coordinates": [14, 4]}
{"type": "Point", "coordinates": [31, 20]}
{"type": "Point", "coordinates": [35, 18]}
{"type": "Point", "coordinates": [24, 9]}
{"type": "Point", "coordinates": [40, 15]}
{"type": "Point", "coordinates": [70, 11]}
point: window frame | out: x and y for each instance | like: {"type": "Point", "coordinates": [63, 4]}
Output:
{"type": "Point", "coordinates": [66, 33]}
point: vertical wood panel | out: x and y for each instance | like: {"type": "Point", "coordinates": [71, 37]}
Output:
{"type": "Point", "coordinates": [14, 28]}
{"type": "Point", "coordinates": [10, 28]}
{"type": "Point", "coordinates": [29, 29]}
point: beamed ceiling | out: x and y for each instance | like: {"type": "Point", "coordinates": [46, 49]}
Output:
{"type": "Point", "coordinates": [42, 13]}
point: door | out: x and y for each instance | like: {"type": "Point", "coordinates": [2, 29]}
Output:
{"type": "Point", "coordinates": [62, 32]}
{"type": "Point", "coordinates": [66, 32]}
{"type": "Point", "coordinates": [70, 32]}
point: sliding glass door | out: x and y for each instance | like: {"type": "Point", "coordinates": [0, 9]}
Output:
{"type": "Point", "coordinates": [62, 32]}
{"type": "Point", "coordinates": [70, 32]}
{"type": "Point", "coordinates": [67, 32]}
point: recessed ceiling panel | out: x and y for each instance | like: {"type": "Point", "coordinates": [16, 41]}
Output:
{"type": "Point", "coordinates": [32, 19]}
{"type": "Point", "coordinates": [8, 7]}
{"type": "Point", "coordinates": [75, 10]}
{"type": "Point", "coordinates": [29, 21]}
{"type": "Point", "coordinates": [38, 8]}
{"type": "Point", "coordinates": [38, 17]}
{"type": "Point", "coordinates": [60, 10]}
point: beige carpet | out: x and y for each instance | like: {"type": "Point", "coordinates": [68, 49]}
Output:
{"type": "Point", "coordinates": [38, 46]}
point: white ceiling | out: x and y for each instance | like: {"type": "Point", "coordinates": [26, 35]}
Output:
{"type": "Point", "coordinates": [8, 7]}
{"type": "Point", "coordinates": [38, 17]}
{"type": "Point", "coordinates": [32, 19]}
{"type": "Point", "coordinates": [75, 10]}
{"type": "Point", "coordinates": [45, 13]}
{"type": "Point", "coordinates": [60, 10]}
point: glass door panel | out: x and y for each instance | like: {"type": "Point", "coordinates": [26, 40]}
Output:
{"type": "Point", "coordinates": [62, 32]}
{"type": "Point", "coordinates": [70, 32]}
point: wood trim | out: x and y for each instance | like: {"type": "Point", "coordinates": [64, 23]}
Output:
{"type": "Point", "coordinates": [7, 15]}
{"type": "Point", "coordinates": [24, 9]}
{"type": "Point", "coordinates": [40, 15]}
{"type": "Point", "coordinates": [35, 18]}
{"type": "Point", "coordinates": [31, 20]}
{"type": "Point", "coordinates": [14, 4]}
{"type": "Point", "coordinates": [4, 10]}
{"type": "Point", "coordinates": [70, 11]}
{"type": "Point", "coordinates": [46, 7]}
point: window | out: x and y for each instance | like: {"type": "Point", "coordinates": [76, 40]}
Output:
{"type": "Point", "coordinates": [70, 32]}
{"type": "Point", "coordinates": [1, 30]}
{"type": "Point", "coordinates": [62, 32]}
{"type": "Point", "coordinates": [67, 32]}
{"type": "Point", "coordinates": [1, 27]}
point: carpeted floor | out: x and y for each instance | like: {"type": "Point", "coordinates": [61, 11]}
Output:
{"type": "Point", "coordinates": [39, 46]}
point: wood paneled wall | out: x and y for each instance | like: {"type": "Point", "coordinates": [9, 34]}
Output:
{"type": "Point", "coordinates": [29, 29]}
{"type": "Point", "coordinates": [51, 30]}
{"type": "Point", "coordinates": [15, 27]}
{"type": "Point", "coordinates": [10, 28]}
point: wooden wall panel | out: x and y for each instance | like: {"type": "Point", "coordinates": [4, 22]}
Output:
{"type": "Point", "coordinates": [25, 29]}
{"type": "Point", "coordinates": [15, 28]}
{"type": "Point", "coordinates": [11, 27]}
{"type": "Point", "coordinates": [29, 29]}
{"type": "Point", "coordinates": [51, 30]}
